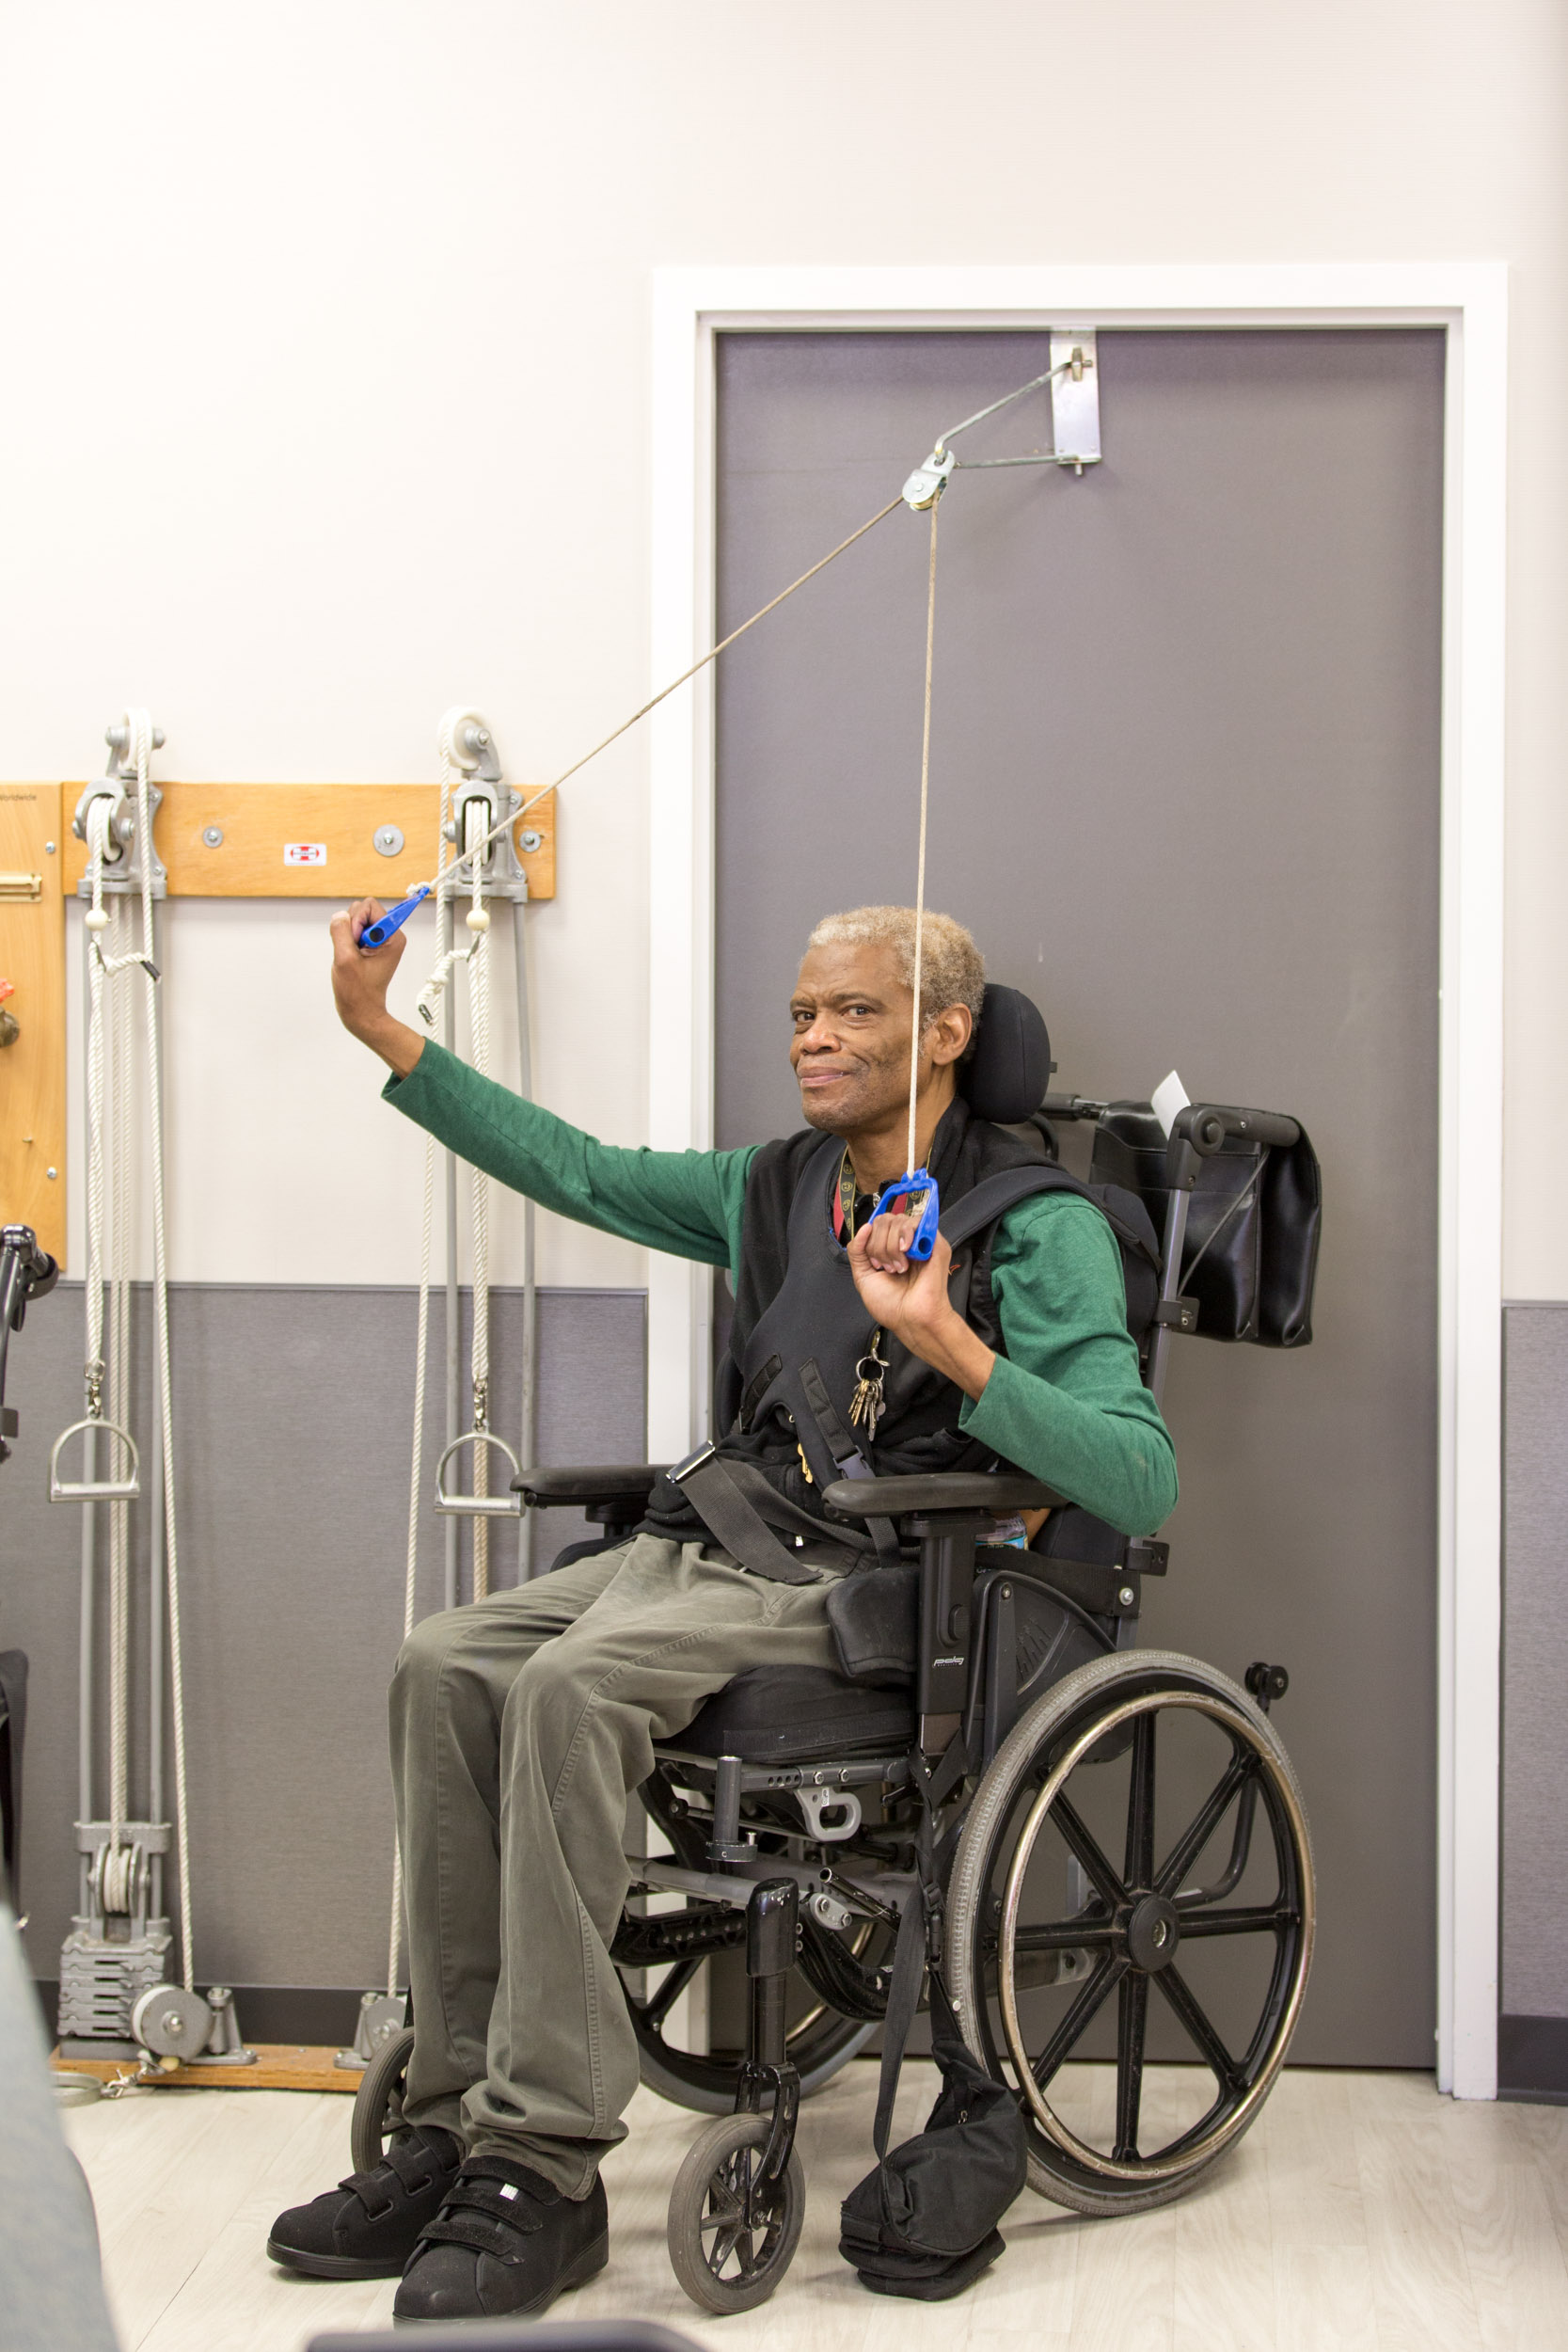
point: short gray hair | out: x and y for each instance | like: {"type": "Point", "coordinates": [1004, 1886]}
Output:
{"type": "Point", "coordinates": [953, 971]}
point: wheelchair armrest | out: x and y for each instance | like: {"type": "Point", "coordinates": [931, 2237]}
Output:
{"type": "Point", "coordinates": [587, 1483]}
{"type": "Point", "coordinates": [949, 1509]}
{"type": "Point", "coordinates": [1000, 1493]}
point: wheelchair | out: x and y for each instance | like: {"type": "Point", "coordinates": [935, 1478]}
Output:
{"type": "Point", "coordinates": [1116, 1858]}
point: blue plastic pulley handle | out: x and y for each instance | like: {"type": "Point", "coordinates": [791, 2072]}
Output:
{"type": "Point", "coordinates": [377, 934]}
{"type": "Point", "coordinates": [914, 1196]}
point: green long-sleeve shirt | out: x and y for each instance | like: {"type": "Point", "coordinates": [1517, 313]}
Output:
{"type": "Point", "coordinates": [1065, 1403]}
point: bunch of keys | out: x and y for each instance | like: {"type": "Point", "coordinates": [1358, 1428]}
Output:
{"type": "Point", "coordinates": [865, 1406]}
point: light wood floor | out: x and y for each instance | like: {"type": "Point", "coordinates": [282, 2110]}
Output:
{"type": "Point", "coordinates": [1363, 2213]}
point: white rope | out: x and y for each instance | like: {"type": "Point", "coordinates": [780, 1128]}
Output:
{"type": "Point", "coordinates": [920, 871]}
{"type": "Point", "coordinates": [421, 1357]}
{"type": "Point", "coordinates": [477, 957]}
{"type": "Point", "coordinates": [479, 1046]}
{"type": "Point", "coordinates": [119, 1145]}
{"type": "Point", "coordinates": [107, 1364]}
{"type": "Point", "coordinates": [139, 754]}
{"type": "Point", "coordinates": [460, 851]}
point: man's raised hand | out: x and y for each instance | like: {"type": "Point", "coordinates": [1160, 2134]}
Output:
{"type": "Point", "coordinates": [909, 1298]}
{"type": "Point", "coordinates": [359, 985]}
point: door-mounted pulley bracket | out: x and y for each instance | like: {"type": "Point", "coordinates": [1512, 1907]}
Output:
{"type": "Point", "coordinates": [1075, 400]}
{"type": "Point", "coordinates": [1072, 381]}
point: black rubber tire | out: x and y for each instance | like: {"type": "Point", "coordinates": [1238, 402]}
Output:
{"type": "Point", "coordinates": [713, 2149]}
{"type": "Point", "coordinates": [1063, 1714]}
{"type": "Point", "coordinates": [380, 2090]}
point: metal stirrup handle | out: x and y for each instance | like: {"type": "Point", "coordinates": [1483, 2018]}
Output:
{"type": "Point", "coordinates": [505, 1506]}
{"type": "Point", "coordinates": [95, 1490]}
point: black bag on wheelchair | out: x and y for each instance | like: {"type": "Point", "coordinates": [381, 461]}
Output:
{"type": "Point", "coordinates": [1251, 1251]}
{"type": "Point", "coordinates": [924, 2223]}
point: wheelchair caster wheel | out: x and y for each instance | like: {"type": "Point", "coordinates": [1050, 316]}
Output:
{"type": "Point", "coordinates": [730, 2242]}
{"type": "Point", "coordinates": [378, 2101]}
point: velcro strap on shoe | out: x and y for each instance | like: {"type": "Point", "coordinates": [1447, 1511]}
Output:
{"type": "Point", "coordinates": [486, 2232]}
{"type": "Point", "coordinates": [488, 2208]}
{"type": "Point", "coordinates": [413, 2163]}
{"type": "Point", "coordinates": [372, 2190]}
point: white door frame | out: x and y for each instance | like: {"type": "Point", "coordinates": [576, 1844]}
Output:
{"type": "Point", "coordinates": [1470, 301]}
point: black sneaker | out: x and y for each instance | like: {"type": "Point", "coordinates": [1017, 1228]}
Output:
{"type": "Point", "coordinates": [368, 2226]}
{"type": "Point", "coordinates": [503, 2245]}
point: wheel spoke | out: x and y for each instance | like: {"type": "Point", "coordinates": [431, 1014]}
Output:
{"type": "Point", "coordinates": [723, 2247]}
{"type": "Point", "coordinates": [1198, 1832]}
{"type": "Point", "coordinates": [1271, 1918]}
{"type": "Point", "coordinates": [1199, 2032]}
{"type": "Point", "coordinates": [1139, 1869]}
{"type": "Point", "coordinates": [722, 2202]}
{"type": "Point", "coordinates": [1132, 2022]}
{"type": "Point", "coordinates": [1108, 1973]}
{"type": "Point", "coordinates": [1064, 1935]}
{"type": "Point", "coordinates": [656, 2008]}
{"type": "Point", "coordinates": [1107, 1885]}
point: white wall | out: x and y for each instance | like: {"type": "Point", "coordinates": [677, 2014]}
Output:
{"type": "Point", "coordinates": [325, 406]}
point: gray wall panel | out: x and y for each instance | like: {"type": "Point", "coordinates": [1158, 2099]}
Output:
{"type": "Point", "coordinates": [1535, 1660]}
{"type": "Point", "coordinates": [1184, 789]}
{"type": "Point", "coordinates": [291, 1431]}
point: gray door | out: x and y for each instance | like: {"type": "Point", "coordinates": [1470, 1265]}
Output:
{"type": "Point", "coordinates": [1185, 793]}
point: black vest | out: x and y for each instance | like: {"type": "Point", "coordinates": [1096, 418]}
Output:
{"type": "Point", "coordinates": [800, 1330]}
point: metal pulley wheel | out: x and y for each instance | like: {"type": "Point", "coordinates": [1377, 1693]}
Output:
{"type": "Point", "coordinates": [171, 2021]}
{"type": "Point", "coordinates": [464, 739]}
{"type": "Point", "coordinates": [119, 1878]}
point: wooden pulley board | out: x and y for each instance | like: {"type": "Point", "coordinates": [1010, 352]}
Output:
{"type": "Point", "coordinates": [217, 841]}
{"type": "Point", "coordinates": [32, 1016]}
{"type": "Point", "coordinates": [310, 840]}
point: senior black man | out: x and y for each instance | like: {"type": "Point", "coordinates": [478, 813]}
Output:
{"type": "Point", "coordinates": [521, 1723]}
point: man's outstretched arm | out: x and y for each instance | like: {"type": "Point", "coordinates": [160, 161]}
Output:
{"type": "Point", "coordinates": [686, 1202]}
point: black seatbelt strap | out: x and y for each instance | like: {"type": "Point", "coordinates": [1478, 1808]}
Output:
{"type": "Point", "coordinates": [919, 1945]}
{"type": "Point", "coordinates": [849, 1459]}
{"type": "Point", "coordinates": [993, 1196]}
{"type": "Point", "coordinates": [714, 1493]}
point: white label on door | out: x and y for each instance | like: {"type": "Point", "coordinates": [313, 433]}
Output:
{"type": "Point", "coordinates": [305, 853]}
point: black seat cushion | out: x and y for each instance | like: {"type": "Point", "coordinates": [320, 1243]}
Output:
{"type": "Point", "coordinates": [795, 1714]}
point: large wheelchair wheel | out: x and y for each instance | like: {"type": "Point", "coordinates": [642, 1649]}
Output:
{"type": "Point", "coordinates": [1110, 1850]}
{"type": "Point", "coordinates": [819, 2039]}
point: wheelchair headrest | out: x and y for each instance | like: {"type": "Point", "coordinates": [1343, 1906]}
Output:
{"type": "Point", "coordinates": [1007, 1076]}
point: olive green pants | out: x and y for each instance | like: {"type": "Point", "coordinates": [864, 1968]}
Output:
{"type": "Point", "coordinates": [519, 1726]}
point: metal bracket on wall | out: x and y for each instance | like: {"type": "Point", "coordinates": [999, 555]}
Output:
{"type": "Point", "coordinates": [1072, 381]}
{"type": "Point", "coordinates": [1075, 399]}
{"type": "Point", "coordinates": [123, 871]}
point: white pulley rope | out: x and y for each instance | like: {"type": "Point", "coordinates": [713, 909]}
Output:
{"type": "Point", "coordinates": [110, 1178]}
{"type": "Point", "coordinates": [478, 919]}
{"type": "Point", "coordinates": [110, 1146]}
{"type": "Point", "coordinates": [920, 862]}
{"type": "Point", "coordinates": [455, 759]}
{"type": "Point", "coordinates": [922, 490]}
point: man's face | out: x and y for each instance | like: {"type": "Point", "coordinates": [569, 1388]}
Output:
{"type": "Point", "coordinates": [850, 1050]}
